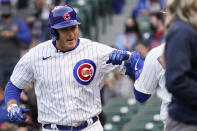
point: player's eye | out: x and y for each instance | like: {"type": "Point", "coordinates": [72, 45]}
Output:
{"type": "Point", "coordinates": [73, 27]}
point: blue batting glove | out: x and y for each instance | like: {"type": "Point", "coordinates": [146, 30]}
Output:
{"type": "Point", "coordinates": [117, 56]}
{"type": "Point", "coordinates": [136, 63]}
{"type": "Point", "coordinates": [15, 113]}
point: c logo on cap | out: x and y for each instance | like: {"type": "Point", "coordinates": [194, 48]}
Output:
{"type": "Point", "coordinates": [67, 16]}
{"type": "Point", "coordinates": [84, 71]}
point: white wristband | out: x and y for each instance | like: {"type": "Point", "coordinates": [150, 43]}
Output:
{"type": "Point", "coordinates": [11, 106]}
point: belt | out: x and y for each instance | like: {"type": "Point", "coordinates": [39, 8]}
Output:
{"type": "Point", "coordinates": [72, 128]}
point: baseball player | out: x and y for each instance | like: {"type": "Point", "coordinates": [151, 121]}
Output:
{"type": "Point", "coordinates": [67, 73]}
{"type": "Point", "coordinates": [152, 79]}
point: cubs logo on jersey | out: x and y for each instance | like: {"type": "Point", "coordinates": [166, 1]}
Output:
{"type": "Point", "coordinates": [84, 71]}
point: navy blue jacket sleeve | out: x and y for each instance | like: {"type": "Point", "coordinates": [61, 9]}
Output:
{"type": "Point", "coordinates": [179, 79]}
{"type": "Point", "coordinates": [23, 33]}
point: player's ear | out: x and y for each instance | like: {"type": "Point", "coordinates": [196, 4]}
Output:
{"type": "Point", "coordinates": [56, 33]}
{"type": "Point", "coordinates": [53, 32]}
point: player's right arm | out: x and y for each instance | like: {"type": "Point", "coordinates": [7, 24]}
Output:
{"type": "Point", "coordinates": [21, 76]}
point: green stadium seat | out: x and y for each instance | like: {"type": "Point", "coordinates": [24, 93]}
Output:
{"type": "Point", "coordinates": [140, 126]}
{"type": "Point", "coordinates": [147, 117]}
{"type": "Point", "coordinates": [120, 110]}
{"type": "Point", "coordinates": [110, 127]}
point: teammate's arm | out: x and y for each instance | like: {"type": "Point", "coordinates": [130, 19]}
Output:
{"type": "Point", "coordinates": [137, 63]}
{"type": "Point", "coordinates": [139, 96]}
{"type": "Point", "coordinates": [146, 79]}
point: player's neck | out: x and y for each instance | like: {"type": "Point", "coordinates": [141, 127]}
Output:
{"type": "Point", "coordinates": [65, 46]}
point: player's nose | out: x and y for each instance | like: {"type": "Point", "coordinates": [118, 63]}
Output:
{"type": "Point", "coordinates": [70, 34]}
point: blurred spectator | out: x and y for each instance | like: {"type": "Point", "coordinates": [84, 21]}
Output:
{"type": "Point", "coordinates": [126, 40]}
{"type": "Point", "coordinates": [181, 64]}
{"type": "Point", "coordinates": [142, 13]}
{"type": "Point", "coordinates": [38, 21]}
{"type": "Point", "coordinates": [117, 85]}
{"type": "Point", "coordinates": [14, 36]}
{"type": "Point", "coordinates": [118, 5]}
{"type": "Point", "coordinates": [141, 8]}
{"type": "Point", "coordinates": [142, 48]}
{"type": "Point", "coordinates": [43, 7]}
{"type": "Point", "coordinates": [21, 9]}
{"type": "Point", "coordinates": [28, 100]}
{"type": "Point", "coordinates": [163, 6]}
{"type": "Point", "coordinates": [154, 6]}
{"type": "Point", "coordinates": [144, 7]}
{"type": "Point", "coordinates": [157, 28]}
{"type": "Point", "coordinates": [8, 127]}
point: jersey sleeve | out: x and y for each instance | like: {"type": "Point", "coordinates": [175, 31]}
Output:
{"type": "Point", "coordinates": [22, 74]}
{"type": "Point", "coordinates": [147, 81]}
{"type": "Point", "coordinates": [104, 52]}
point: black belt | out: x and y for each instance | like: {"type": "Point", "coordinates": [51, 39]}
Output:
{"type": "Point", "coordinates": [71, 128]}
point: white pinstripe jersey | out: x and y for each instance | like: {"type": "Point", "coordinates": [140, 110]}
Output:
{"type": "Point", "coordinates": [152, 79]}
{"type": "Point", "coordinates": [67, 85]}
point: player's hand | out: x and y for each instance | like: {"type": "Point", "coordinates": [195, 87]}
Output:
{"type": "Point", "coordinates": [117, 56]}
{"type": "Point", "coordinates": [136, 63]}
{"type": "Point", "coordinates": [15, 113]}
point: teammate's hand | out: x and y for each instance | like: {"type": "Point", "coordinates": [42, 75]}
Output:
{"type": "Point", "coordinates": [15, 113]}
{"type": "Point", "coordinates": [136, 63]}
{"type": "Point", "coordinates": [117, 56]}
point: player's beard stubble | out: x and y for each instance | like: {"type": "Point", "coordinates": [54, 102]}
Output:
{"type": "Point", "coordinates": [64, 44]}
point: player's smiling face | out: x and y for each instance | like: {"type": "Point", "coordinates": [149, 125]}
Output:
{"type": "Point", "coordinates": [67, 38]}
